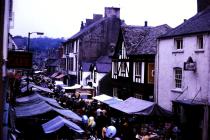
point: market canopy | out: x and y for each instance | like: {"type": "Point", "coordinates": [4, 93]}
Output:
{"type": "Point", "coordinates": [140, 107]}
{"type": "Point", "coordinates": [36, 98]}
{"type": "Point", "coordinates": [59, 83]}
{"type": "Point", "coordinates": [59, 122]}
{"type": "Point", "coordinates": [87, 87]}
{"type": "Point", "coordinates": [54, 74]}
{"type": "Point", "coordinates": [42, 88]}
{"type": "Point", "coordinates": [24, 89]}
{"type": "Point", "coordinates": [113, 100]}
{"type": "Point", "coordinates": [59, 76]}
{"type": "Point", "coordinates": [41, 108]}
{"type": "Point", "coordinates": [76, 86]}
{"type": "Point", "coordinates": [102, 97]}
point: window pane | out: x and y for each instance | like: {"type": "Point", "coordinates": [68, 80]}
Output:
{"type": "Point", "coordinates": [151, 73]}
{"type": "Point", "coordinates": [115, 67]}
{"type": "Point", "coordinates": [200, 42]}
{"type": "Point", "coordinates": [138, 68]}
{"type": "Point", "coordinates": [179, 43]}
{"type": "Point", "coordinates": [178, 77]}
{"type": "Point", "coordinates": [123, 66]}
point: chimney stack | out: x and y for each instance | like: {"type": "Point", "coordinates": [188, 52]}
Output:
{"type": "Point", "coordinates": [202, 4]}
{"type": "Point", "coordinates": [112, 12]}
{"type": "Point", "coordinates": [145, 24]}
{"type": "Point", "coordinates": [82, 25]}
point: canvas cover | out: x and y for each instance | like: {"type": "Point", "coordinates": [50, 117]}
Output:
{"type": "Point", "coordinates": [59, 122]}
{"type": "Point", "coordinates": [42, 107]}
{"type": "Point", "coordinates": [36, 98]}
{"type": "Point", "coordinates": [140, 107]}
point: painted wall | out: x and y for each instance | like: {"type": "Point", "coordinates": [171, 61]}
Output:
{"type": "Point", "coordinates": [84, 82]}
{"type": "Point", "coordinates": [193, 82]}
{"type": "Point", "coordinates": [96, 84]}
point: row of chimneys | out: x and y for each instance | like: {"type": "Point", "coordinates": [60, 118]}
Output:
{"type": "Point", "coordinates": [109, 12]}
{"type": "Point", "coordinates": [112, 11]}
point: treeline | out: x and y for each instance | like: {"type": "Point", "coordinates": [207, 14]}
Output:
{"type": "Point", "coordinates": [42, 43]}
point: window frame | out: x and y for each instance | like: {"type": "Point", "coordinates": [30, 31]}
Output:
{"type": "Point", "coordinates": [200, 42]}
{"type": "Point", "coordinates": [138, 96]}
{"type": "Point", "coordinates": [178, 43]}
{"type": "Point", "coordinates": [115, 69]}
{"type": "Point", "coordinates": [123, 67]}
{"type": "Point", "coordinates": [71, 63]}
{"type": "Point", "coordinates": [151, 73]}
{"type": "Point", "coordinates": [178, 77]}
{"type": "Point", "coordinates": [137, 72]}
{"type": "Point", "coordinates": [115, 92]}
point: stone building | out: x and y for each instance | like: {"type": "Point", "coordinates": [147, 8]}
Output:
{"type": "Point", "coordinates": [96, 38]}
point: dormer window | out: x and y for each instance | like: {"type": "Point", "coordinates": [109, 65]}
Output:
{"type": "Point", "coordinates": [200, 42]}
{"type": "Point", "coordinates": [178, 43]}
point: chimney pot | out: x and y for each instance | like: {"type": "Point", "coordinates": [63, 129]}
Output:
{"type": "Point", "coordinates": [145, 24]}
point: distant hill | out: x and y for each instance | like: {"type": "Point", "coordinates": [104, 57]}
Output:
{"type": "Point", "coordinates": [42, 43]}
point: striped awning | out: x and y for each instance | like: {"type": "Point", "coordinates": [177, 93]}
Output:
{"type": "Point", "coordinates": [60, 76]}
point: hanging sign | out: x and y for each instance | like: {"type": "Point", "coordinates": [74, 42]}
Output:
{"type": "Point", "coordinates": [19, 59]}
{"type": "Point", "coordinates": [190, 65]}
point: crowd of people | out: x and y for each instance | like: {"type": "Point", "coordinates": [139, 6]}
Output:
{"type": "Point", "coordinates": [99, 117]}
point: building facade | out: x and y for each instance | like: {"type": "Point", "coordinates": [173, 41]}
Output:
{"type": "Point", "coordinates": [6, 18]}
{"type": "Point", "coordinates": [96, 38]}
{"type": "Point", "coordinates": [182, 73]}
{"type": "Point", "coordinates": [133, 61]}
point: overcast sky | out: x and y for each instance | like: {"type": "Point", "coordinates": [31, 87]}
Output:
{"type": "Point", "coordinates": [62, 18]}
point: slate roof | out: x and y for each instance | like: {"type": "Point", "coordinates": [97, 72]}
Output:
{"type": "Point", "coordinates": [197, 24]}
{"type": "Point", "coordinates": [142, 40]}
{"type": "Point", "coordinates": [104, 59]}
{"type": "Point", "coordinates": [86, 66]}
{"type": "Point", "coordinates": [103, 64]}
{"type": "Point", "coordinates": [89, 28]}
{"type": "Point", "coordinates": [103, 68]}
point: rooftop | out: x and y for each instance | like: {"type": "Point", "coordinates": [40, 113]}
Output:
{"type": "Point", "coordinates": [199, 23]}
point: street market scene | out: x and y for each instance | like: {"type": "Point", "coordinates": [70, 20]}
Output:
{"type": "Point", "coordinates": [108, 79]}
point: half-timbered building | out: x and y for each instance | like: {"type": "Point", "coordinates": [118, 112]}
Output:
{"type": "Point", "coordinates": [134, 60]}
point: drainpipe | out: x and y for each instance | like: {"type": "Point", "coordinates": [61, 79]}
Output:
{"type": "Point", "coordinates": [77, 52]}
{"type": "Point", "coordinates": [156, 72]}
